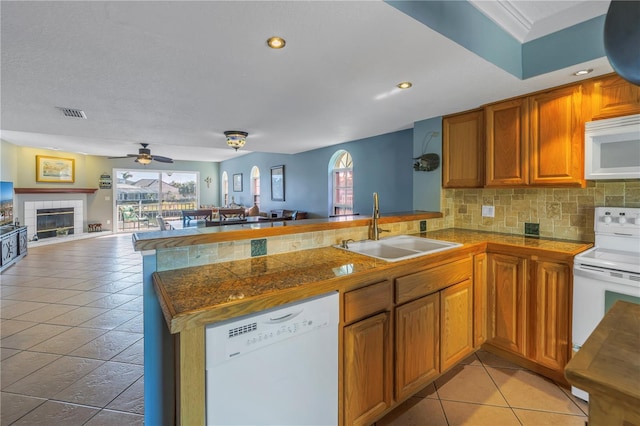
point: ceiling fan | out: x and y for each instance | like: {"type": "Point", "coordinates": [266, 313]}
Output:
{"type": "Point", "coordinates": [144, 156]}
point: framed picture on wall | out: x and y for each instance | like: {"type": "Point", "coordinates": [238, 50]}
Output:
{"type": "Point", "coordinates": [237, 182]}
{"type": "Point", "coordinates": [54, 169]}
{"type": "Point", "coordinates": [277, 183]}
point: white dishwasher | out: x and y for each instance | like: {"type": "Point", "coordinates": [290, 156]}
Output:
{"type": "Point", "coordinates": [276, 367]}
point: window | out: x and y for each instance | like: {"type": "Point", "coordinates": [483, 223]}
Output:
{"type": "Point", "coordinates": [342, 183]}
{"type": "Point", "coordinates": [225, 189]}
{"type": "Point", "coordinates": [255, 185]}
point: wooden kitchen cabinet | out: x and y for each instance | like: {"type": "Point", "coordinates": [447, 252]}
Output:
{"type": "Point", "coordinates": [508, 279]}
{"type": "Point", "coordinates": [556, 153]}
{"type": "Point", "coordinates": [456, 318]}
{"type": "Point", "coordinates": [550, 308]}
{"type": "Point", "coordinates": [612, 96]}
{"type": "Point", "coordinates": [463, 150]}
{"type": "Point", "coordinates": [367, 353]}
{"type": "Point", "coordinates": [507, 139]}
{"type": "Point", "coordinates": [480, 300]}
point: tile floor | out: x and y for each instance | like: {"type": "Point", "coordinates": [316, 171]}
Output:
{"type": "Point", "coordinates": [71, 346]}
{"type": "Point", "coordinates": [71, 352]}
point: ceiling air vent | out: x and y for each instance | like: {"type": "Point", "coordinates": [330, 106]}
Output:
{"type": "Point", "coordinates": [73, 112]}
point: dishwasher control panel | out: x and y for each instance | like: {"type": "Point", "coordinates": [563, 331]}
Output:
{"type": "Point", "coordinates": [240, 336]}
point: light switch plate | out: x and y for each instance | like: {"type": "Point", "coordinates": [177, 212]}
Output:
{"type": "Point", "coordinates": [488, 211]}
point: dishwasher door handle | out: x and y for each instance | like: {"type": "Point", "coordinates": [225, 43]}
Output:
{"type": "Point", "coordinates": [283, 318]}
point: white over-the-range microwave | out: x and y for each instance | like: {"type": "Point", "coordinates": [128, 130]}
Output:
{"type": "Point", "coordinates": [612, 148]}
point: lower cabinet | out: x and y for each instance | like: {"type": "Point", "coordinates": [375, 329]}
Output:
{"type": "Point", "coordinates": [417, 344]}
{"type": "Point", "coordinates": [367, 349]}
{"type": "Point", "coordinates": [481, 307]}
{"type": "Point", "coordinates": [456, 317]}
{"type": "Point", "coordinates": [531, 310]}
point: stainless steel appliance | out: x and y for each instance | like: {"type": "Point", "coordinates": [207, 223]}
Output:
{"type": "Point", "coordinates": [276, 367]}
{"type": "Point", "coordinates": [608, 272]}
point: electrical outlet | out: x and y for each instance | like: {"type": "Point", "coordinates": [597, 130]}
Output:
{"type": "Point", "coordinates": [107, 198]}
{"type": "Point", "coordinates": [423, 226]}
{"type": "Point", "coordinates": [532, 229]}
{"type": "Point", "coordinates": [108, 222]}
{"type": "Point", "coordinates": [488, 211]}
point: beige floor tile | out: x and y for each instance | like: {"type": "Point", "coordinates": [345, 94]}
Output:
{"type": "Point", "coordinates": [131, 400]}
{"type": "Point", "coordinates": [77, 316]}
{"type": "Point", "coordinates": [45, 313]}
{"type": "Point", "coordinates": [472, 360]}
{"type": "Point", "coordinates": [524, 389]}
{"type": "Point", "coordinates": [82, 298]}
{"type": "Point", "coordinates": [416, 412]}
{"type": "Point", "coordinates": [461, 413]}
{"type": "Point", "coordinates": [32, 336]}
{"type": "Point", "coordinates": [6, 353]}
{"type": "Point", "coordinates": [18, 308]}
{"type": "Point", "coordinates": [582, 405]}
{"type": "Point", "coordinates": [491, 360]}
{"type": "Point", "coordinates": [428, 392]}
{"type": "Point", "coordinates": [68, 341]}
{"type": "Point", "coordinates": [134, 325]}
{"type": "Point", "coordinates": [57, 413]}
{"type": "Point", "coordinates": [112, 301]}
{"type": "Point", "coordinates": [134, 305]}
{"type": "Point", "coordinates": [107, 345]}
{"type": "Point", "coordinates": [15, 406]}
{"type": "Point", "coordinates": [134, 289]}
{"type": "Point", "coordinates": [542, 418]}
{"type": "Point", "coordinates": [11, 326]}
{"type": "Point", "coordinates": [102, 385]}
{"type": "Point", "coordinates": [468, 383]}
{"type": "Point", "coordinates": [14, 280]}
{"type": "Point", "coordinates": [115, 418]}
{"type": "Point", "coordinates": [6, 290]}
{"type": "Point", "coordinates": [54, 377]}
{"type": "Point", "coordinates": [110, 319]}
{"type": "Point", "coordinates": [21, 365]}
{"type": "Point", "coordinates": [134, 354]}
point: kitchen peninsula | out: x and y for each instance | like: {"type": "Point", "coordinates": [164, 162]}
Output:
{"type": "Point", "coordinates": [373, 292]}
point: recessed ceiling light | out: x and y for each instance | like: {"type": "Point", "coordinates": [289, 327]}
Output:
{"type": "Point", "coordinates": [583, 72]}
{"type": "Point", "coordinates": [276, 42]}
{"type": "Point", "coordinates": [404, 85]}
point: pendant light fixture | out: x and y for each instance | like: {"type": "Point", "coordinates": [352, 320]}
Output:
{"type": "Point", "coordinates": [236, 139]}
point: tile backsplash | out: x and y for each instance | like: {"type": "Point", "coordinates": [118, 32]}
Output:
{"type": "Point", "coordinates": [561, 212]}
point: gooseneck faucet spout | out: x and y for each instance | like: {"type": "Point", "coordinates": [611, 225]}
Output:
{"type": "Point", "coordinates": [374, 229]}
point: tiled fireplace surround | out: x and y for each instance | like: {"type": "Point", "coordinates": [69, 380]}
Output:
{"type": "Point", "coordinates": [565, 213]}
{"type": "Point", "coordinates": [31, 208]}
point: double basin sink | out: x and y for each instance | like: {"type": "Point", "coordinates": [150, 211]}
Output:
{"type": "Point", "coordinates": [401, 247]}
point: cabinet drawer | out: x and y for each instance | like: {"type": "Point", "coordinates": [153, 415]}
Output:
{"type": "Point", "coordinates": [367, 301]}
{"type": "Point", "coordinates": [422, 283]}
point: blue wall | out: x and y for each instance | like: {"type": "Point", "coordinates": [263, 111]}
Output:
{"type": "Point", "coordinates": [381, 164]}
{"type": "Point", "coordinates": [426, 185]}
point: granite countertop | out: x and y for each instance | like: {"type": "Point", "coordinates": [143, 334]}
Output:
{"type": "Point", "coordinates": [608, 364]}
{"type": "Point", "coordinates": [189, 296]}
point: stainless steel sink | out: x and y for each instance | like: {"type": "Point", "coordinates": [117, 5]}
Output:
{"type": "Point", "coordinates": [401, 247]}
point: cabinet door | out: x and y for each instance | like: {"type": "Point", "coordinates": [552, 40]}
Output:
{"type": "Point", "coordinates": [557, 137]}
{"type": "Point", "coordinates": [456, 314]}
{"type": "Point", "coordinates": [613, 96]}
{"type": "Point", "coordinates": [367, 369]}
{"type": "Point", "coordinates": [551, 310]}
{"type": "Point", "coordinates": [507, 143]}
{"type": "Point", "coordinates": [417, 344]}
{"type": "Point", "coordinates": [480, 300]}
{"type": "Point", "coordinates": [507, 276]}
{"type": "Point", "coordinates": [463, 150]}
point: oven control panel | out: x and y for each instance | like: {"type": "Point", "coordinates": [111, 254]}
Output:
{"type": "Point", "coordinates": [617, 220]}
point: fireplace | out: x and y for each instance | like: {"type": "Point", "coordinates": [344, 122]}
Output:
{"type": "Point", "coordinates": [54, 222]}
{"type": "Point", "coordinates": [40, 217]}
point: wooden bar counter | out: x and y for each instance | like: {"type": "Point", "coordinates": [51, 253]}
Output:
{"type": "Point", "coordinates": [608, 367]}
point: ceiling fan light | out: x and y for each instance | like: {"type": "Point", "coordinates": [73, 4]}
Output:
{"type": "Point", "coordinates": [236, 139]}
{"type": "Point", "coordinates": [144, 160]}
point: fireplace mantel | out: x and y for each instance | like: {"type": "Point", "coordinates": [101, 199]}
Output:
{"type": "Point", "coordinates": [55, 190]}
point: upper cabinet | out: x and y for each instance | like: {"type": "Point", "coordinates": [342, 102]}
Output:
{"type": "Point", "coordinates": [463, 150]}
{"type": "Point", "coordinates": [534, 140]}
{"type": "Point", "coordinates": [612, 96]}
{"type": "Point", "coordinates": [507, 135]}
{"type": "Point", "coordinates": [556, 151]}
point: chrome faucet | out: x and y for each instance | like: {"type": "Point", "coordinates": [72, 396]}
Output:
{"type": "Point", "coordinates": [374, 229]}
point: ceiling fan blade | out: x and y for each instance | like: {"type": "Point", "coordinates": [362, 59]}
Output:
{"type": "Point", "coordinates": [162, 159]}
{"type": "Point", "coordinates": [127, 156]}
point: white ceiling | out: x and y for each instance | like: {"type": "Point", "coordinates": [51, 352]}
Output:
{"type": "Point", "coordinates": [176, 75]}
